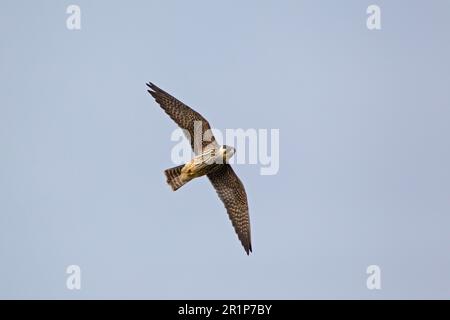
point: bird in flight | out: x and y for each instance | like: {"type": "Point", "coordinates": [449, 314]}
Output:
{"type": "Point", "coordinates": [211, 160]}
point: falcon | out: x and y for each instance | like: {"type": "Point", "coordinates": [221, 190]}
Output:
{"type": "Point", "coordinates": [211, 160]}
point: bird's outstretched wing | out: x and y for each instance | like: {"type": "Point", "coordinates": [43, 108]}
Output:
{"type": "Point", "coordinates": [232, 193]}
{"type": "Point", "coordinates": [184, 117]}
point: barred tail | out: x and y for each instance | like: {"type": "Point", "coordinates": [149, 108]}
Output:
{"type": "Point", "coordinates": [173, 176]}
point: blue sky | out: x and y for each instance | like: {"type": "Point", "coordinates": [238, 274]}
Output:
{"type": "Point", "coordinates": [364, 150]}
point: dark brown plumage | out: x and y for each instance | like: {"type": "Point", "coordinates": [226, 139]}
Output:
{"type": "Point", "coordinates": [183, 116]}
{"type": "Point", "coordinates": [227, 184]}
{"type": "Point", "coordinates": [232, 193]}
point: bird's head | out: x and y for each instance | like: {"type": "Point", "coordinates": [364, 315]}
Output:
{"type": "Point", "coordinates": [227, 152]}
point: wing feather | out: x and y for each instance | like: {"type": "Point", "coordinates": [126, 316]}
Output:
{"type": "Point", "coordinates": [232, 193]}
{"type": "Point", "coordinates": [184, 117]}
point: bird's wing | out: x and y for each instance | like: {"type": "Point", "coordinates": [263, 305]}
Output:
{"type": "Point", "coordinates": [185, 118]}
{"type": "Point", "coordinates": [232, 193]}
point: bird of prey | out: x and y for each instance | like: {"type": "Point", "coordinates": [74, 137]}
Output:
{"type": "Point", "coordinates": [211, 160]}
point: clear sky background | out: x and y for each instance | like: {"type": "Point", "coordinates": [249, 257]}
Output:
{"type": "Point", "coordinates": [364, 148]}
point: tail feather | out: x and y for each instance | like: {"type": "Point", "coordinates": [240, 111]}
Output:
{"type": "Point", "coordinates": [174, 178]}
